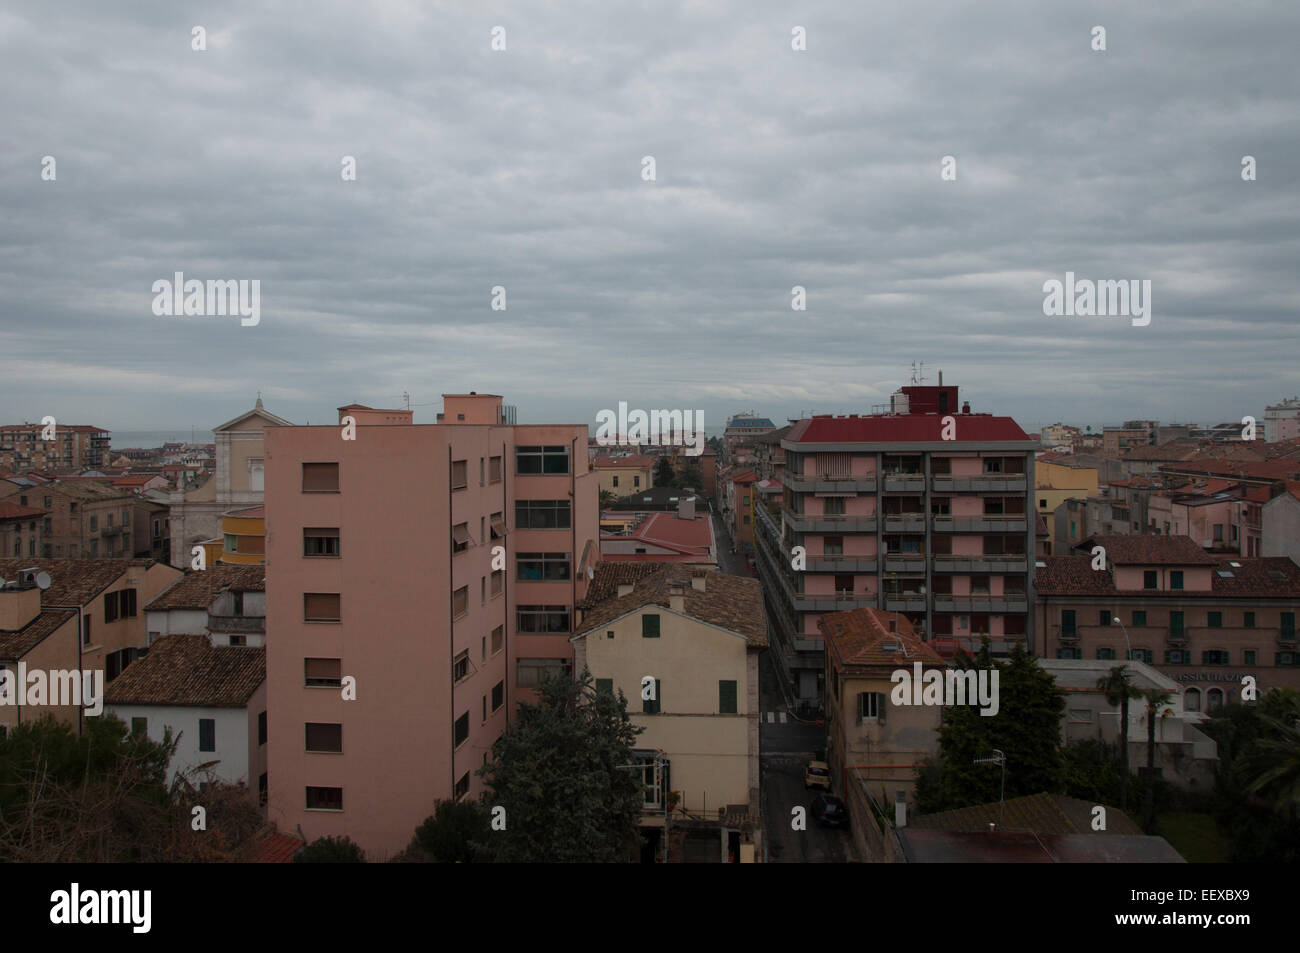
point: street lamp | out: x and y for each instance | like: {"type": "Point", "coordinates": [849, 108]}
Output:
{"type": "Point", "coordinates": [1115, 620]}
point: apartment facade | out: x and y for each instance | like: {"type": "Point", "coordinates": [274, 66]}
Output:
{"type": "Point", "coordinates": [624, 475]}
{"type": "Point", "coordinates": [21, 529]}
{"type": "Point", "coordinates": [1282, 420]}
{"type": "Point", "coordinates": [892, 515]}
{"type": "Point", "coordinates": [384, 570]}
{"type": "Point", "coordinates": [77, 447]}
{"type": "Point", "coordinates": [1203, 621]}
{"type": "Point", "coordinates": [84, 518]}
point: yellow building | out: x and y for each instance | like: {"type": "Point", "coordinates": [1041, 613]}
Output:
{"type": "Point", "coordinates": [682, 646]}
{"type": "Point", "coordinates": [623, 476]}
{"type": "Point", "coordinates": [243, 537]}
{"type": "Point", "coordinates": [1058, 480]}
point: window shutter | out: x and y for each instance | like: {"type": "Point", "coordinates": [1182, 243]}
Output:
{"type": "Point", "coordinates": [880, 707]}
{"type": "Point", "coordinates": [727, 697]}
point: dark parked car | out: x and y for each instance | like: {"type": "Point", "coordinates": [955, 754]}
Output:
{"type": "Point", "coordinates": [829, 811]}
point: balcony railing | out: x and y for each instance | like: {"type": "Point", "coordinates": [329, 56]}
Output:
{"type": "Point", "coordinates": [898, 482]}
{"type": "Point", "coordinates": [986, 523]}
{"type": "Point", "coordinates": [905, 562]}
{"type": "Point", "coordinates": [904, 522]}
{"type": "Point", "coordinates": [981, 602]}
{"type": "Point", "coordinates": [237, 623]}
{"type": "Point", "coordinates": [991, 562]}
{"type": "Point", "coordinates": [826, 483]}
{"type": "Point", "coordinates": [841, 563]}
{"type": "Point", "coordinates": [830, 522]}
{"type": "Point", "coordinates": [981, 483]}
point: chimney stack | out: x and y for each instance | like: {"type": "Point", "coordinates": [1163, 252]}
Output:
{"type": "Point", "coordinates": [676, 598]}
{"type": "Point", "coordinates": [624, 589]}
{"type": "Point", "coordinates": [698, 582]}
{"type": "Point", "coordinates": [685, 507]}
{"type": "Point", "coordinates": [900, 809]}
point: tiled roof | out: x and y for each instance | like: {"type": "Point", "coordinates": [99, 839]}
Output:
{"type": "Point", "coordinates": [89, 490]}
{"type": "Point", "coordinates": [1252, 469]}
{"type": "Point", "coordinates": [742, 476]}
{"type": "Point", "coordinates": [905, 428]}
{"type": "Point", "coordinates": [12, 511]}
{"type": "Point", "coordinates": [190, 670]}
{"type": "Point", "coordinates": [638, 460]}
{"type": "Point", "coordinates": [772, 436]}
{"type": "Point", "coordinates": [610, 575]}
{"type": "Point", "coordinates": [1263, 577]}
{"type": "Point", "coordinates": [1150, 550]}
{"type": "Point", "coordinates": [671, 531]}
{"type": "Point", "coordinates": [730, 602]}
{"type": "Point", "coordinates": [74, 581]}
{"type": "Point", "coordinates": [275, 848]}
{"type": "Point", "coordinates": [1173, 450]}
{"type": "Point", "coordinates": [252, 512]}
{"type": "Point", "coordinates": [14, 644]}
{"type": "Point", "coordinates": [197, 588]}
{"type": "Point", "coordinates": [860, 638]}
{"type": "Point", "coordinates": [1040, 813]}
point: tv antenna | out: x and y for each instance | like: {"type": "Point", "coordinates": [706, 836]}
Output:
{"type": "Point", "coordinates": [918, 372]}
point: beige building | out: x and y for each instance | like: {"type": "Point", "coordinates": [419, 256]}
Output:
{"type": "Point", "coordinates": [83, 518]}
{"type": "Point", "coordinates": [623, 476]}
{"type": "Point", "coordinates": [682, 646]}
{"type": "Point", "coordinates": [239, 480]}
{"type": "Point", "coordinates": [1059, 479]}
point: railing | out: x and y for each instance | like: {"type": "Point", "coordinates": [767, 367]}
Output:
{"type": "Point", "coordinates": [237, 623]}
{"type": "Point", "coordinates": [990, 562]}
{"type": "Point", "coordinates": [984, 523]}
{"type": "Point", "coordinates": [803, 483]}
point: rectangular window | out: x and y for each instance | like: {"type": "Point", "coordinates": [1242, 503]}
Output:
{"type": "Point", "coordinates": [650, 626]}
{"type": "Point", "coordinates": [498, 524]}
{"type": "Point", "coordinates": [727, 697]}
{"type": "Point", "coordinates": [321, 607]}
{"type": "Point", "coordinates": [1215, 620]}
{"type": "Point", "coordinates": [482, 472]}
{"type": "Point", "coordinates": [1214, 657]}
{"type": "Point", "coordinates": [462, 787]}
{"type": "Point", "coordinates": [324, 799]}
{"type": "Point", "coordinates": [1105, 653]}
{"type": "Point", "coordinates": [320, 541]}
{"type": "Point", "coordinates": [498, 695]}
{"type": "Point", "coordinates": [207, 734]}
{"type": "Point", "coordinates": [833, 545]}
{"type": "Point", "coordinates": [1288, 625]}
{"type": "Point", "coordinates": [542, 620]}
{"type": "Point", "coordinates": [460, 667]}
{"type": "Point", "coordinates": [139, 726]}
{"type": "Point", "coordinates": [127, 603]}
{"type": "Point", "coordinates": [1067, 622]}
{"type": "Point", "coordinates": [461, 733]}
{"type": "Point", "coordinates": [460, 538]}
{"type": "Point", "coordinates": [1248, 621]}
{"type": "Point", "coordinates": [531, 672]}
{"type": "Point", "coordinates": [1069, 653]}
{"type": "Point", "coordinates": [498, 581]}
{"type": "Point", "coordinates": [322, 672]}
{"type": "Point", "coordinates": [653, 706]}
{"type": "Point", "coordinates": [460, 602]}
{"type": "Point", "coordinates": [325, 736]}
{"type": "Point", "coordinates": [94, 524]}
{"type": "Point", "coordinates": [110, 607]}
{"type": "Point", "coordinates": [1139, 618]}
{"type": "Point", "coordinates": [494, 469]}
{"type": "Point", "coordinates": [1176, 623]}
{"type": "Point", "coordinates": [542, 567]}
{"type": "Point", "coordinates": [261, 728]}
{"type": "Point", "coordinates": [542, 514]}
{"type": "Point", "coordinates": [1175, 579]}
{"type": "Point", "coordinates": [1141, 655]}
{"type": "Point", "coordinates": [549, 459]}
{"type": "Point", "coordinates": [498, 638]}
{"type": "Point", "coordinates": [605, 685]}
{"type": "Point", "coordinates": [1248, 657]}
{"type": "Point", "coordinates": [615, 479]}
{"type": "Point", "coordinates": [1149, 579]}
{"type": "Point", "coordinates": [871, 706]}
{"type": "Point", "coordinates": [85, 629]}
{"type": "Point", "coordinates": [1104, 617]}
{"type": "Point", "coordinates": [459, 478]}
{"type": "Point", "coordinates": [320, 477]}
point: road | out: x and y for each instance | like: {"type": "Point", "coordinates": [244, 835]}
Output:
{"type": "Point", "coordinates": [786, 745]}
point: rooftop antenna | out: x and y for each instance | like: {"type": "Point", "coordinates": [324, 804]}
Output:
{"type": "Point", "coordinates": [1000, 759]}
{"type": "Point", "coordinates": [918, 372]}
{"type": "Point", "coordinates": [407, 398]}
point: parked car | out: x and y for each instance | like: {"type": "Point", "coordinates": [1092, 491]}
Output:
{"type": "Point", "coordinates": [817, 775]}
{"type": "Point", "coordinates": [829, 811]}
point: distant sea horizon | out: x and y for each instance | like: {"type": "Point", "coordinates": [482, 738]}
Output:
{"type": "Point", "coordinates": [150, 439]}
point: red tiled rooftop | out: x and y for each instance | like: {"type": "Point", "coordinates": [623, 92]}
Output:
{"type": "Point", "coordinates": [638, 460]}
{"type": "Point", "coordinates": [861, 638]}
{"type": "Point", "coordinates": [1258, 578]}
{"type": "Point", "coordinates": [189, 670]}
{"type": "Point", "coordinates": [905, 428]}
{"type": "Point", "coordinates": [13, 511]}
{"type": "Point", "coordinates": [1150, 550]}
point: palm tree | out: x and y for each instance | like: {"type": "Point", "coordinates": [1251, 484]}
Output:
{"type": "Point", "coordinates": [1155, 700]}
{"type": "Point", "coordinates": [1118, 690]}
{"type": "Point", "coordinates": [607, 498]}
{"type": "Point", "coordinates": [1272, 765]}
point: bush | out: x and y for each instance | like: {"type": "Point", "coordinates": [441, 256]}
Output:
{"type": "Point", "coordinates": [331, 850]}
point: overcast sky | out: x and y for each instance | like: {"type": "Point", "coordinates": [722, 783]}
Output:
{"type": "Point", "coordinates": [523, 169]}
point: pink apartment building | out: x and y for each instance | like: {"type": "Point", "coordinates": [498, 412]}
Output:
{"type": "Point", "coordinates": [379, 555]}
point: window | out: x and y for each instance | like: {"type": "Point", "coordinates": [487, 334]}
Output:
{"type": "Point", "coordinates": [542, 459]}
{"type": "Point", "coordinates": [615, 479]}
{"type": "Point", "coordinates": [832, 505]}
{"type": "Point", "coordinates": [459, 478]}
{"type": "Point", "coordinates": [1192, 699]}
{"type": "Point", "coordinates": [320, 541]}
{"type": "Point", "coordinates": [605, 685]}
{"type": "Point", "coordinates": [1104, 617]}
{"type": "Point", "coordinates": [1067, 622]}
{"type": "Point", "coordinates": [1248, 657]}
{"type": "Point", "coordinates": [1214, 657]}
{"type": "Point", "coordinates": [1248, 621]}
{"type": "Point", "coordinates": [461, 733]}
{"type": "Point", "coordinates": [462, 787]}
{"type": "Point", "coordinates": [498, 695]}
{"type": "Point", "coordinates": [325, 736]}
{"type": "Point", "coordinates": [482, 589]}
{"type": "Point", "coordinates": [1140, 655]}
{"type": "Point", "coordinates": [1288, 625]}
{"type": "Point", "coordinates": [94, 523]}
{"type": "Point", "coordinates": [727, 697]}
{"type": "Point", "coordinates": [1218, 532]}
{"type": "Point", "coordinates": [1069, 653]}
{"type": "Point", "coordinates": [139, 726]}
{"type": "Point", "coordinates": [94, 548]}
{"type": "Point", "coordinates": [498, 581]}
{"type": "Point", "coordinates": [542, 514]}
{"type": "Point", "coordinates": [256, 474]}
{"type": "Point", "coordinates": [542, 567]}
{"type": "Point", "coordinates": [483, 717]}
{"type": "Point", "coordinates": [261, 728]}
{"type": "Point", "coordinates": [1215, 620]}
{"type": "Point", "coordinates": [111, 607]}
{"type": "Point", "coordinates": [230, 542]}
{"type": "Point", "coordinates": [531, 672]}
{"type": "Point", "coordinates": [498, 524]}
{"type": "Point", "coordinates": [207, 734]}
{"type": "Point", "coordinates": [1139, 618]}
{"type": "Point", "coordinates": [1149, 579]}
{"type": "Point", "coordinates": [498, 638]}
{"type": "Point", "coordinates": [320, 478]}
{"type": "Point", "coordinates": [1214, 699]}
{"type": "Point", "coordinates": [321, 607]}
{"type": "Point", "coordinates": [460, 667]}
{"type": "Point", "coordinates": [653, 706]}
{"type": "Point", "coordinates": [1177, 657]}
{"type": "Point", "coordinates": [1176, 620]}
{"type": "Point", "coordinates": [871, 706]}
{"type": "Point", "coordinates": [1105, 653]}
{"type": "Point", "coordinates": [650, 626]}
{"type": "Point", "coordinates": [322, 672]}
{"type": "Point", "coordinates": [85, 629]}
{"type": "Point", "coordinates": [460, 538]}
{"type": "Point", "coordinates": [833, 545]}
{"type": "Point", "coordinates": [261, 789]}
{"type": "Point", "coordinates": [636, 481]}
{"type": "Point", "coordinates": [482, 472]}
{"type": "Point", "coordinates": [324, 799]}
{"type": "Point", "coordinates": [460, 602]}
{"type": "Point", "coordinates": [542, 620]}
{"type": "Point", "coordinates": [1175, 579]}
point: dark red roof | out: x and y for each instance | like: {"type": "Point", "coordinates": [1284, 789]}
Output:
{"type": "Point", "coordinates": [12, 511]}
{"type": "Point", "coordinates": [905, 428]}
{"type": "Point", "coordinates": [1149, 550]}
{"type": "Point", "coordinates": [1259, 578]}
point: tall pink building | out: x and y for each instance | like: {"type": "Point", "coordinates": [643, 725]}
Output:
{"type": "Point", "coordinates": [380, 569]}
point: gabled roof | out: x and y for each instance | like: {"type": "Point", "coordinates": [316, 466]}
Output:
{"type": "Point", "coordinates": [189, 670]}
{"type": "Point", "coordinates": [1261, 577]}
{"type": "Point", "coordinates": [74, 582]}
{"type": "Point", "coordinates": [197, 588]}
{"type": "Point", "coordinates": [1040, 813]}
{"type": "Point", "coordinates": [1150, 550]}
{"type": "Point", "coordinates": [257, 411]}
{"type": "Point", "coordinates": [13, 511]}
{"type": "Point", "coordinates": [734, 603]}
{"type": "Point", "coordinates": [15, 643]}
{"type": "Point", "coordinates": [860, 639]}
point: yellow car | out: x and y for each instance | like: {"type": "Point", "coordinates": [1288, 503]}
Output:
{"type": "Point", "coordinates": [817, 775]}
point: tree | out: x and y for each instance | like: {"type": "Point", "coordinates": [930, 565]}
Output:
{"type": "Point", "coordinates": [561, 772]}
{"type": "Point", "coordinates": [690, 476]}
{"type": "Point", "coordinates": [607, 498]}
{"type": "Point", "coordinates": [331, 850]}
{"type": "Point", "coordinates": [1155, 699]}
{"type": "Point", "coordinates": [663, 475]}
{"type": "Point", "coordinates": [1027, 729]}
{"type": "Point", "coordinates": [455, 831]}
{"type": "Point", "coordinates": [1117, 688]}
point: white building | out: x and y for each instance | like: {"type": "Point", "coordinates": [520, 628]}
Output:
{"type": "Point", "coordinates": [1282, 421]}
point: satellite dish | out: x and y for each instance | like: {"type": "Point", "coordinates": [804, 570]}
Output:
{"type": "Point", "coordinates": [591, 573]}
{"type": "Point", "coordinates": [43, 580]}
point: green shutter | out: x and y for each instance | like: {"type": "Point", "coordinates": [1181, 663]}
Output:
{"type": "Point", "coordinates": [650, 626]}
{"type": "Point", "coordinates": [727, 697]}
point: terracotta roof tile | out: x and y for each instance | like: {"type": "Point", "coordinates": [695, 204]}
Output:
{"type": "Point", "coordinates": [1040, 813]}
{"type": "Point", "coordinates": [861, 639]}
{"type": "Point", "coordinates": [196, 589]}
{"type": "Point", "coordinates": [189, 670]}
{"type": "Point", "coordinates": [74, 581]}
{"type": "Point", "coordinates": [1276, 577]}
{"type": "Point", "coordinates": [14, 644]}
{"type": "Point", "coordinates": [731, 602]}
{"type": "Point", "coordinates": [13, 511]}
{"type": "Point", "coordinates": [1150, 550]}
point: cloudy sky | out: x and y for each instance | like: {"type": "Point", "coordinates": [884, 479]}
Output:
{"type": "Point", "coordinates": [523, 168]}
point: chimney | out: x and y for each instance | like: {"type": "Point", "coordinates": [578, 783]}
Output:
{"type": "Point", "coordinates": [698, 582]}
{"type": "Point", "coordinates": [676, 598]}
{"type": "Point", "coordinates": [900, 809]}
{"type": "Point", "coordinates": [893, 623]}
{"type": "Point", "coordinates": [19, 605]}
{"type": "Point", "coordinates": [624, 589]}
{"type": "Point", "coordinates": [965, 407]}
{"type": "Point", "coordinates": [685, 508]}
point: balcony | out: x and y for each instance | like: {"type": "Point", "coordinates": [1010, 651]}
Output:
{"type": "Point", "coordinates": [905, 563]}
{"type": "Point", "coordinates": [833, 602]}
{"type": "Point", "coordinates": [982, 483]}
{"type": "Point", "coordinates": [987, 523]}
{"type": "Point", "coordinates": [904, 482]}
{"type": "Point", "coordinates": [1287, 639]}
{"type": "Point", "coordinates": [111, 531]}
{"type": "Point", "coordinates": [1177, 638]}
{"type": "Point", "coordinates": [993, 563]}
{"type": "Point", "coordinates": [904, 602]}
{"type": "Point", "coordinates": [830, 523]}
{"type": "Point", "coordinates": [981, 602]}
{"type": "Point", "coordinates": [824, 483]}
{"type": "Point", "coordinates": [237, 623]}
{"type": "Point", "coordinates": [837, 563]}
{"type": "Point", "coordinates": [904, 522]}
